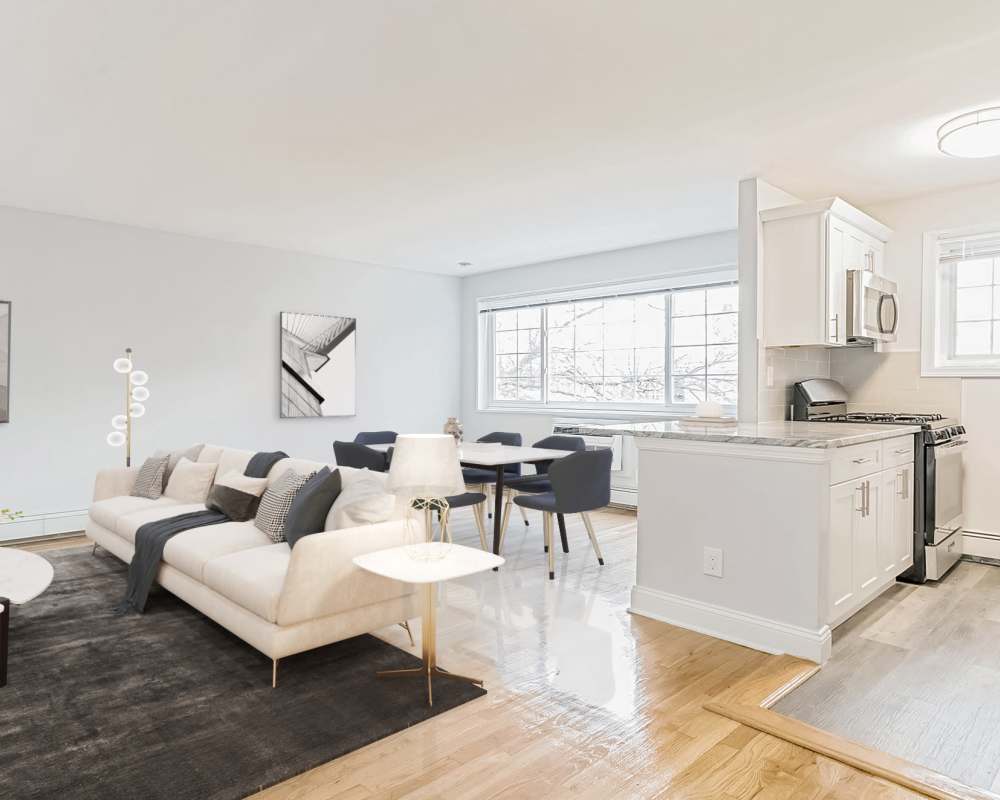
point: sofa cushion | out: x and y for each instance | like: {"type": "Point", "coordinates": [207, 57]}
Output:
{"type": "Point", "coordinates": [128, 524]}
{"type": "Point", "coordinates": [107, 512]}
{"type": "Point", "coordinates": [251, 578]}
{"type": "Point", "coordinates": [232, 460]}
{"type": "Point", "coordinates": [189, 551]}
{"type": "Point", "coordinates": [210, 454]}
{"type": "Point", "coordinates": [300, 465]}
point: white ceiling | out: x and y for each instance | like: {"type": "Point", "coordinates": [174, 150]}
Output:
{"type": "Point", "coordinates": [420, 133]}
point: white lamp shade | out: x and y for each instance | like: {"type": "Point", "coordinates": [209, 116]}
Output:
{"type": "Point", "coordinates": [425, 465]}
{"type": "Point", "coordinates": [140, 393]}
{"type": "Point", "coordinates": [137, 409]}
{"type": "Point", "coordinates": [119, 422]}
{"type": "Point", "coordinates": [139, 378]}
{"type": "Point", "coordinates": [116, 438]}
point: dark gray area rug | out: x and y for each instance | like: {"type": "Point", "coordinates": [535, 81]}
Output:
{"type": "Point", "coordinates": [170, 705]}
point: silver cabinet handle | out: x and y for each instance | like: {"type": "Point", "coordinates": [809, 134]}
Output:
{"type": "Point", "coordinates": [868, 498]}
{"type": "Point", "coordinates": [861, 460]}
{"type": "Point", "coordinates": [836, 327]}
{"type": "Point", "coordinates": [903, 484]}
{"type": "Point", "coordinates": [901, 451]}
{"type": "Point", "coordinates": [861, 508]}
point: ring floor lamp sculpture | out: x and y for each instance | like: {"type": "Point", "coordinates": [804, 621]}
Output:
{"type": "Point", "coordinates": [136, 394]}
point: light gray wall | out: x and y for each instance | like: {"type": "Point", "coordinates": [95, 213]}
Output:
{"type": "Point", "coordinates": [662, 258]}
{"type": "Point", "coordinates": [202, 316]}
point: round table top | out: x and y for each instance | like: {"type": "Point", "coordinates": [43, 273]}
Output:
{"type": "Point", "coordinates": [23, 575]}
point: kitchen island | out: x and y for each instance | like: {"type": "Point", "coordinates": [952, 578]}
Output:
{"type": "Point", "coordinates": [768, 534]}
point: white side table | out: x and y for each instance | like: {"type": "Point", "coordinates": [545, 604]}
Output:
{"type": "Point", "coordinates": [23, 576]}
{"type": "Point", "coordinates": [405, 564]}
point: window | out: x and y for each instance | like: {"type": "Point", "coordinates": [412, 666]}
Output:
{"type": "Point", "coordinates": [627, 350]}
{"type": "Point", "coordinates": [962, 304]}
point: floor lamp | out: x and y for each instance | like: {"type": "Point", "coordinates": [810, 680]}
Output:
{"type": "Point", "coordinates": [136, 394]}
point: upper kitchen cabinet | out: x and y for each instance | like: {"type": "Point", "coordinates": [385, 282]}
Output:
{"type": "Point", "coordinates": [808, 250]}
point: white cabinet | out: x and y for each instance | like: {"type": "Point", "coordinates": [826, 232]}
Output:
{"type": "Point", "coordinates": [808, 249]}
{"type": "Point", "coordinates": [903, 521]}
{"type": "Point", "coordinates": [871, 528]}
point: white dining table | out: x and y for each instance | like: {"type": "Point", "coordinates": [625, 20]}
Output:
{"type": "Point", "coordinates": [497, 456]}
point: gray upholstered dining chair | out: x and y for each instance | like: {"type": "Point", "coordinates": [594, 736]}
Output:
{"type": "Point", "coordinates": [581, 482]}
{"type": "Point", "coordinates": [477, 500]}
{"type": "Point", "coordinates": [376, 437]}
{"type": "Point", "coordinates": [360, 456]}
{"type": "Point", "coordinates": [539, 483]}
{"type": "Point", "coordinates": [484, 478]}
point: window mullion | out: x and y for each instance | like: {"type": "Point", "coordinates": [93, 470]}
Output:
{"type": "Point", "coordinates": [543, 343]}
{"type": "Point", "coordinates": [668, 372]}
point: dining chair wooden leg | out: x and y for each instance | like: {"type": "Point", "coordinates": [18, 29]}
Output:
{"type": "Point", "coordinates": [547, 527]}
{"type": "Point", "coordinates": [478, 512]}
{"type": "Point", "coordinates": [593, 538]}
{"type": "Point", "coordinates": [488, 490]}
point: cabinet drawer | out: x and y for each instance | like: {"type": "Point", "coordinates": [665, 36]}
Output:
{"type": "Point", "coordinates": [897, 451]}
{"type": "Point", "coordinates": [855, 461]}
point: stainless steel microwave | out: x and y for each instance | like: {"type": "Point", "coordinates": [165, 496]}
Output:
{"type": "Point", "coordinates": [872, 307]}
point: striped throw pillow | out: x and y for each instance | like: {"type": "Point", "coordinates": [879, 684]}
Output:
{"type": "Point", "coordinates": [149, 482]}
{"type": "Point", "coordinates": [276, 502]}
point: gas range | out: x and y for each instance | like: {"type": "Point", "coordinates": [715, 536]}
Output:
{"type": "Point", "coordinates": [937, 427]}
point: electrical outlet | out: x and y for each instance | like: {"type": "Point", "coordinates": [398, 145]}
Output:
{"type": "Point", "coordinates": [713, 562]}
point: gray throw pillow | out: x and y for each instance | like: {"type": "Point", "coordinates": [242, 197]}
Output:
{"type": "Point", "coordinates": [236, 495]}
{"type": "Point", "coordinates": [149, 482]}
{"type": "Point", "coordinates": [311, 505]}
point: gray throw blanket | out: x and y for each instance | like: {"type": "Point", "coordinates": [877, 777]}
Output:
{"type": "Point", "coordinates": [152, 537]}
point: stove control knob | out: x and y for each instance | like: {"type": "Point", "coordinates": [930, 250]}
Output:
{"type": "Point", "coordinates": [959, 430]}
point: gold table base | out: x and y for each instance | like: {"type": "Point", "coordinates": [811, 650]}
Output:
{"type": "Point", "coordinates": [428, 642]}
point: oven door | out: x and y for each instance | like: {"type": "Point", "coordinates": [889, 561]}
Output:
{"type": "Point", "coordinates": [949, 483]}
{"type": "Point", "coordinates": [874, 307]}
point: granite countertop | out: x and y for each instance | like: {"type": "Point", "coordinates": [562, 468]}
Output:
{"type": "Point", "coordinates": [781, 434]}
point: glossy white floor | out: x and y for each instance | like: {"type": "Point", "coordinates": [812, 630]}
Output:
{"type": "Point", "coordinates": [585, 700]}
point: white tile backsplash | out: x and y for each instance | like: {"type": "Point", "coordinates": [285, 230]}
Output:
{"type": "Point", "coordinates": [790, 365]}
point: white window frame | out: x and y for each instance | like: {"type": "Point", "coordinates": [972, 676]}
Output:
{"type": "Point", "coordinates": [937, 337]}
{"type": "Point", "coordinates": [713, 276]}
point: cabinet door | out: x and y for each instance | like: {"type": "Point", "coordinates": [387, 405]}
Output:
{"type": "Point", "coordinates": [836, 282]}
{"type": "Point", "coordinates": [887, 544]}
{"type": "Point", "coordinates": [845, 509]}
{"type": "Point", "coordinates": [866, 564]}
{"type": "Point", "coordinates": [903, 522]}
{"type": "Point", "coordinates": [877, 256]}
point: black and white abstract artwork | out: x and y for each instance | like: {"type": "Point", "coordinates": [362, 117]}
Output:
{"type": "Point", "coordinates": [317, 365]}
{"type": "Point", "coordinates": [4, 361]}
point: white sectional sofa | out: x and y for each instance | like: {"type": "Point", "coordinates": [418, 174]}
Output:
{"type": "Point", "coordinates": [279, 600]}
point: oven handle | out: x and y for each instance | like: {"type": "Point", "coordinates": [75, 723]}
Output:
{"type": "Point", "coordinates": [954, 443]}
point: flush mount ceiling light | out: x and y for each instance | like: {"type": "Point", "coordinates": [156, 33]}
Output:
{"type": "Point", "coordinates": [972, 135]}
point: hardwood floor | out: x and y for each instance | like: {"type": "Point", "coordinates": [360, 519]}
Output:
{"type": "Point", "coordinates": [916, 675]}
{"type": "Point", "coordinates": [585, 700]}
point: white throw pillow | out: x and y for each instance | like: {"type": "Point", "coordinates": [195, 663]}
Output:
{"type": "Point", "coordinates": [190, 482]}
{"type": "Point", "coordinates": [362, 501]}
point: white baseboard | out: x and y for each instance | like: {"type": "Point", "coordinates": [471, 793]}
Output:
{"type": "Point", "coordinates": [49, 524]}
{"type": "Point", "coordinates": [738, 627]}
{"type": "Point", "coordinates": [981, 544]}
